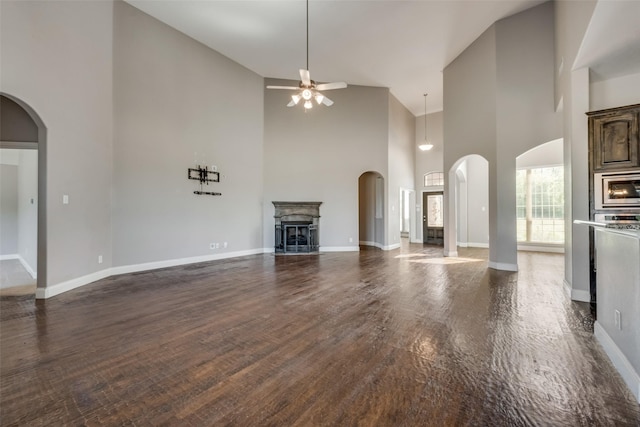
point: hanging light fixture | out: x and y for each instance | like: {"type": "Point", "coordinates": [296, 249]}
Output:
{"type": "Point", "coordinates": [308, 89]}
{"type": "Point", "coordinates": [425, 146]}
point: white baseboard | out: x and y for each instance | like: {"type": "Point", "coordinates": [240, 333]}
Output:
{"type": "Point", "coordinates": [24, 263]}
{"type": "Point", "coordinates": [181, 261]}
{"type": "Point", "coordinates": [27, 267]}
{"type": "Point", "coordinates": [57, 289]}
{"type": "Point", "coordinates": [477, 245]}
{"type": "Point", "coordinates": [391, 247]}
{"type": "Point", "coordinates": [580, 295]}
{"type": "Point", "coordinates": [369, 243]}
{"type": "Point", "coordinates": [567, 288]}
{"type": "Point", "coordinates": [451, 253]}
{"type": "Point", "coordinates": [575, 294]}
{"type": "Point", "coordinates": [53, 290]}
{"type": "Point", "coordinates": [503, 266]}
{"type": "Point", "coordinates": [339, 248]}
{"type": "Point", "coordinates": [619, 360]}
{"type": "Point", "coordinates": [536, 248]}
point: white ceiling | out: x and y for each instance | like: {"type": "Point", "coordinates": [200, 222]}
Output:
{"type": "Point", "coordinates": [402, 45]}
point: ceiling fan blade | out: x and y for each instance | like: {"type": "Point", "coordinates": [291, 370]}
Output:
{"type": "Point", "coordinates": [326, 101]}
{"type": "Point", "coordinates": [291, 103]}
{"type": "Point", "coordinates": [283, 87]}
{"type": "Point", "coordinates": [329, 86]}
{"type": "Point", "coordinates": [305, 77]}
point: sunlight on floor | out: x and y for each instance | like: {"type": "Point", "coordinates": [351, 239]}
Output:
{"type": "Point", "coordinates": [424, 259]}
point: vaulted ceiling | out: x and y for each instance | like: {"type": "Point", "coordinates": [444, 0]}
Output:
{"type": "Point", "coordinates": [402, 45]}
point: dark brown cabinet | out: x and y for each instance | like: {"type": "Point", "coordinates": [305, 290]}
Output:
{"type": "Point", "coordinates": [614, 146]}
{"type": "Point", "coordinates": [613, 138]}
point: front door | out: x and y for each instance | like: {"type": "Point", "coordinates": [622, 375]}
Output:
{"type": "Point", "coordinates": [433, 218]}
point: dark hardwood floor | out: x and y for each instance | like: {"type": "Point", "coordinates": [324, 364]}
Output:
{"type": "Point", "coordinates": [400, 338]}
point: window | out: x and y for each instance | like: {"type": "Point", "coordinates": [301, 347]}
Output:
{"type": "Point", "coordinates": [433, 178]}
{"type": "Point", "coordinates": [540, 205]}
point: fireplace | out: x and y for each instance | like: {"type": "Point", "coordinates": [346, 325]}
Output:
{"type": "Point", "coordinates": [296, 227]}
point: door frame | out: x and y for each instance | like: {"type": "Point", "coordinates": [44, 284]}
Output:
{"type": "Point", "coordinates": [425, 226]}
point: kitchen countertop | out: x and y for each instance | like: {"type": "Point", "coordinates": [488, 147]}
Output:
{"type": "Point", "coordinates": [632, 230]}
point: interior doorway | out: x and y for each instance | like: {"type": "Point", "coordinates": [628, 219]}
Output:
{"type": "Point", "coordinates": [407, 215]}
{"type": "Point", "coordinates": [371, 219]}
{"type": "Point", "coordinates": [23, 146]}
{"type": "Point", "coordinates": [433, 218]}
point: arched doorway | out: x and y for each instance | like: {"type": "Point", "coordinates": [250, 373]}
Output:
{"type": "Point", "coordinates": [22, 129]}
{"type": "Point", "coordinates": [371, 218]}
{"type": "Point", "coordinates": [540, 198]}
{"type": "Point", "coordinates": [468, 192]}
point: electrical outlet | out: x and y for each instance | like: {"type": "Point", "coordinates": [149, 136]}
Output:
{"type": "Point", "coordinates": [65, 199]}
{"type": "Point", "coordinates": [217, 245]}
{"type": "Point", "coordinates": [225, 245]}
{"type": "Point", "coordinates": [99, 259]}
{"type": "Point", "coordinates": [616, 319]}
{"type": "Point", "coordinates": [350, 239]}
{"type": "Point", "coordinates": [212, 245]}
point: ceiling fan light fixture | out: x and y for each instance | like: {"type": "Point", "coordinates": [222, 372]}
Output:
{"type": "Point", "coordinates": [307, 89]}
{"type": "Point", "coordinates": [425, 147]}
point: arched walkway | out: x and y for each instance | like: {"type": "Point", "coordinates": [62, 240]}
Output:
{"type": "Point", "coordinates": [22, 128]}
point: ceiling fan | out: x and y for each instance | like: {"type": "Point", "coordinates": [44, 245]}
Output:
{"type": "Point", "coordinates": [308, 89]}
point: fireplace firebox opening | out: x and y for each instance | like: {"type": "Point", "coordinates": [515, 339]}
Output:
{"type": "Point", "coordinates": [296, 227]}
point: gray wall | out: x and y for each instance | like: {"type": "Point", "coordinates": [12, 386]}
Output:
{"type": "Point", "coordinates": [8, 209]}
{"type": "Point", "coordinates": [179, 104]}
{"type": "Point", "coordinates": [57, 57]}
{"type": "Point", "coordinates": [401, 164]}
{"type": "Point", "coordinates": [572, 88]}
{"type": "Point", "coordinates": [319, 156]}
{"type": "Point", "coordinates": [470, 122]}
{"type": "Point", "coordinates": [509, 68]}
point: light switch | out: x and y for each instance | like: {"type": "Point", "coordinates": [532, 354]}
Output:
{"type": "Point", "coordinates": [65, 199]}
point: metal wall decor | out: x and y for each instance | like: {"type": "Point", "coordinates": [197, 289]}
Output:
{"type": "Point", "coordinates": [205, 176]}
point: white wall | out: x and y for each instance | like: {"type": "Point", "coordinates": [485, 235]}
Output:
{"type": "Point", "coordinates": [179, 104]}
{"type": "Point", "coordinates": [477, 202]}
{"type": "Point", "coordinates": [320, 154]}
{"type": "Point", "coordinates": [8, 208]}
{"type": "Point", "coordinates": [19, 206]}
{"type": "Point", "coordinates": [545, 155]}
{"type": "Point", "coordinates": [28, 210]}
{"type": "Point", "coordinates": [57, 57]}
{"type": "Point", "coordinates": [614, 92]}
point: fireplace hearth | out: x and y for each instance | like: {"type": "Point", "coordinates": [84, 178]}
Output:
{"type": "Point", "coordinates": [296, 227]}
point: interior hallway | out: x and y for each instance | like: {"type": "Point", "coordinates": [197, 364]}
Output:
{"type": "Point", "coordinates": [403, 337]}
